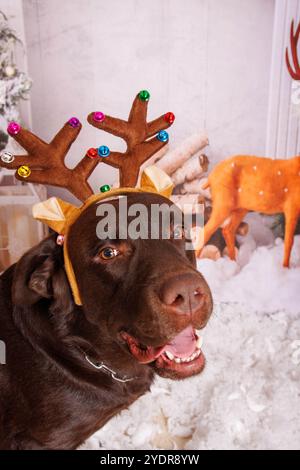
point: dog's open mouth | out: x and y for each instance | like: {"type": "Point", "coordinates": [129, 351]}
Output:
{"type": "Point", "coordinates": [182, 357]}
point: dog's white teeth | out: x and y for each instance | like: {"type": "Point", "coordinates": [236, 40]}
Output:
{"type": "Point", "coordinates": [169, 355]}
{"type": "Point", "coordinates": [186, 359]}
{"type": "Point", "coordinates": [196, 354]}
{"type": "Point", "coordinates": [179, 360]}
{"type": "Point", "coordinates": [199, 342]}
{"type": "Point", "coordinates": [192, 357]}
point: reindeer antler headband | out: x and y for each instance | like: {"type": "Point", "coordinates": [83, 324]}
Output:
{"type": "Point", "coordinates": [45, 164]}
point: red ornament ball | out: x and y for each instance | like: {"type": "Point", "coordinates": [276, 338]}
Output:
{"type": "Point", "coordinates": [169, 117]}
{"type": "Point", "coordinates": [92, 153]}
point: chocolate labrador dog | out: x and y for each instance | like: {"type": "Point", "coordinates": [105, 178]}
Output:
{"type": "Point", "coordinates": [69, 369]}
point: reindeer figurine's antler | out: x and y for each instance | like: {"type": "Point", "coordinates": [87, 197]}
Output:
{"type": "Point", "coordinates": [294, 37]}
{"type": "Point", "coordinates": [137, 134]}
{"type": "Point", "coordinates": [45, 163]}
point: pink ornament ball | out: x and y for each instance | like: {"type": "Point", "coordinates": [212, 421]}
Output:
{"type": "Point", "coordinates": [13, 128]}
{"type": "Point", "coordinates": [98, 116]}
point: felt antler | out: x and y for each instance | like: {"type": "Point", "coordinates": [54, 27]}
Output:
{"type": "Point", "coordinates": [137, 134]}
{"type": "Point", "coordinates": [45, 163]}
{"type": "Point", "coordinates": [295, 73]}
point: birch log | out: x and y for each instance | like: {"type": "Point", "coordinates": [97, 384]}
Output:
{"type": "Point", "coordinates": [156, 157]}
{"type": "Point", "coordinates": [176, 158]}
{"type": "Point", "coordinates": [195, 187]}
{"type": "Point", "coordinates": [193, 168]}
{"type": "Point", "coordinates": [210, 252]}
{"type": "Point", "coordinates": [189, 203]}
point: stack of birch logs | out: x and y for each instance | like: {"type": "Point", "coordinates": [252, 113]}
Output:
{"type": "Point", "coordinates": [187, 165]}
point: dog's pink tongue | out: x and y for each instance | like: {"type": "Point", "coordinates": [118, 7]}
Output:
{"type": "Point", "coordinates": [184, 344]}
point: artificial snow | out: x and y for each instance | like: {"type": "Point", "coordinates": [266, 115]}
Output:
{"type": "Point", "coordinates": [262, 285]}
{"type": "Point", "coordinates": [248, 397]}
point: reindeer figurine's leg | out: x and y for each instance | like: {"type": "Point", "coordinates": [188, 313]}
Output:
{"type": "Point", "coordinates": [218, 216]}
{"type": "Point", "coordinates": [229, 230]}
{"type": "Point", "coordinates": [291, 218]}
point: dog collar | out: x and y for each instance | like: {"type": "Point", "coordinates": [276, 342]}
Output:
{"type": "Point", "coordinates": [113, 374]}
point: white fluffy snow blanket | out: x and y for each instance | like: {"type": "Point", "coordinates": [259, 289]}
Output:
{"type": "Point", "coordinates": [249, 394]}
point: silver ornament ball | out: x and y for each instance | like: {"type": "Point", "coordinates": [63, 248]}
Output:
{"type": "Point", "coordinates": [7, 157]}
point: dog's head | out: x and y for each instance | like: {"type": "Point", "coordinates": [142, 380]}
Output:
{"type": "Point", "coordinates": [143, 296]}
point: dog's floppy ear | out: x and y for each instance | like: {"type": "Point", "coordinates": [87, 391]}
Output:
{"type": "Point", "coordinates": [40, 275]}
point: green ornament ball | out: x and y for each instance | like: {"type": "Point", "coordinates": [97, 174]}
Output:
{"type": "Point", "coordinates": [144, 95]}
{"type": "Point", "coordinates": [105, 188]}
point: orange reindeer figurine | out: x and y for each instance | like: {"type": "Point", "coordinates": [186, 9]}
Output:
{"type": "Point", "coordinates": [245, 183]}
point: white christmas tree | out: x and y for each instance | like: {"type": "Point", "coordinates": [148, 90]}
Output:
{"type": "Point", "coordinates": [14, 84]}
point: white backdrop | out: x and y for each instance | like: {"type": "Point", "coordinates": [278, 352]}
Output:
{"type": "Point", "coordinates": [208, 61]}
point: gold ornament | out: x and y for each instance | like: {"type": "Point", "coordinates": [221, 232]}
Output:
{"type": "Point", "coordinates": [24, 171]}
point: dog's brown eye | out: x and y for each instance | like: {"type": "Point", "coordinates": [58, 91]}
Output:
{"type": "Point", "coordinates": [108, 253]}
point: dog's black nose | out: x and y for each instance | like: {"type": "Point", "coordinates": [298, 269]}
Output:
{"type": "Point", "coordinates": [183, 294]}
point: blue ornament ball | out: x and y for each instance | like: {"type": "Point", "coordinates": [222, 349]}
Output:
{"type": "Point", "coordinates": [103, 151]}
{"type": "Point", "coordinates": [163, 136]}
